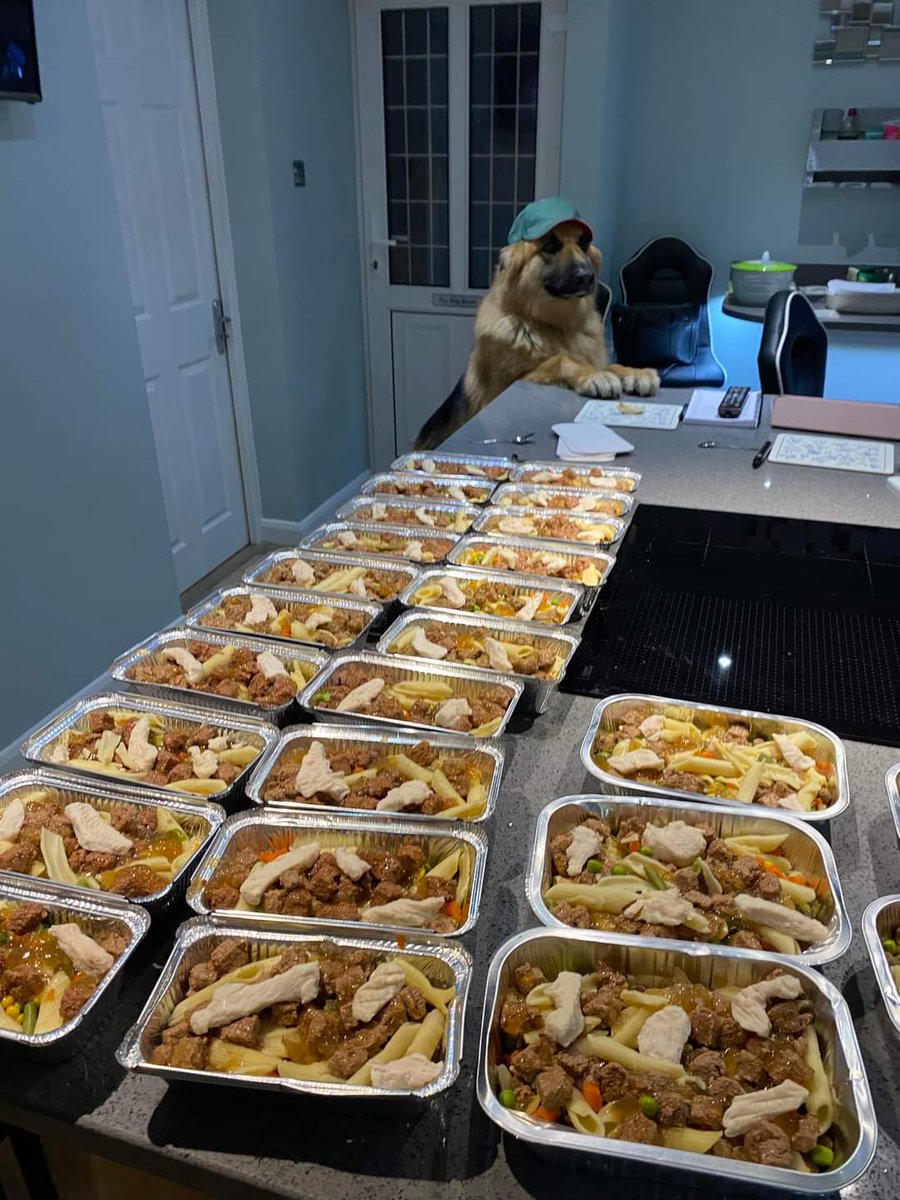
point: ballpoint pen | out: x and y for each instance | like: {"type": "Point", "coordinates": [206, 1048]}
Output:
{"type": "Point", "coordinates": [761, 455]}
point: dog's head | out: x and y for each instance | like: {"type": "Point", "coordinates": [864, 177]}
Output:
{"type": "Point", "coordinates": [552, 271]}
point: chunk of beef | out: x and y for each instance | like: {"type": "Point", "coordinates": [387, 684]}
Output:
{"type": "Point", "coordinates": [572, 914]}
{"type": "Point", "coordinates": [23, 983]}
{"type": "Point", "coordinates": [190, 1052]}
{"type": "Point", "coordinates": [705, 1027]}
{"type": "Point", "coordinates": [746, 939]}
{"type": "Point", "coordinates": [133, 822]}
{"type": "Point", "coordinates": [768, 1144]}
{"type": "Point", "coordinates": [422, 753]}
{"type": "Point", "coordinates": [414, 1001]}
{"type": "Point", "coordinates": [332, 912]}
{"type": "Point", "coordinates": [787, 1061]}
{"type": "Point", "coordinates": [528, 977]}
{"type": "Point", "coordinates": [385, 892]}
{"type": "Point", "coordinates": [528, 1063]}
{"type": "Point", "coordinates": [435, 886]}
{"type": "Point", "coordinates": [230, 955]}
{"type": "Point", "coordinates": [731, 1034]}
{"type": "Point", "coordinates": [604, 1003]}
{"type": "Point", "coordinates": [179, 1030]}
{"type": "Point", "coordinates": [202, 975]}
{"type": "Point", "coordinates": [554, 1087]}
{"type": "Point", "coordinates": [348, 983]}
{"type": "Point", "coordinates": [19, 857]}
{"type": "Point", "coordinates": [221, 895]}
{"type": "Point", "coordinates": [806, 1135]}
{"type": "Point", "coordinates": [347, 1060]}
{"type": "Point", "coordinates": [285, 1013]}
{"type": "Point", "coordinates": [723, 1088]}
{"type": "Point", "coordinates": [175, 740]}
{"type": "Point", "coordinates": [674, 1108]}
{"type": "Point", "coordinates": [323, 1032]}
{"type": "Point", "coordinates": [201, 736]}
{"type": "Point", "coordinates": [684, 879]}
{"type": "Point", "coordinates": [786, 1017]}
{"type": "Point", "coordinates": [93, 862]}
{"type": "Point", "coordinates": [411, 857]}
{"type": "Point", "coordinates": [74, 998]}
{"type": "Point", "coordinates": [324, 876]}
{"type": "Point", "coordinates": [707, 1064]}
{"type": "Point", "coordinates": [299, 903]}
{"type": "Point", "coordinates": [612, 1079]}
{"type": "Point", "coordinates": [25, 918]}
{"type": "Point", "coordinates": [136, 880]}
{"type": "Point", "coordinates": [749, 1069]}
{"type": "Point", "coordinates": [98, 721]}
{"type": "Point", "coordinates": [575, 1065]}
{"type": "Point", "coordinates": [515, 1017]}
{"type": "Point", "coordinates": [243, 1032]}
{"type": "Point", "coordinates": [706, 1112]}
{"type": "Point", "coordinates": [114, 942]}
{"type": "Point", "coordinates": [636, 1128]}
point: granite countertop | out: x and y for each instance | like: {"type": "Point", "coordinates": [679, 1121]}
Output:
{"type": "Point", "coordinates": [246, 1144]}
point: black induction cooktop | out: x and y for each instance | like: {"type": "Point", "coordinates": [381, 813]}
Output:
{"type": "Point", "coordinates": [767, 613]}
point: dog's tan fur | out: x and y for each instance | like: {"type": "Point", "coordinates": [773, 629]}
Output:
{"type": "Point", "coordinates": [524, 332]}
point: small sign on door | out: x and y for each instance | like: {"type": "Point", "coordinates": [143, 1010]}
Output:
{"type": "Point", "coordinates": [454, 300]}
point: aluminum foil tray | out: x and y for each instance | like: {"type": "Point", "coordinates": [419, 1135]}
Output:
{"type": "Point", "coordinates": [291, 599]}
{"type": "Point", "coordinates": [257, 830]}
{"type": "Point", "coordinates": [96, 913]}
{"type": "Point", "coordinates": [255, 575]}
{"type": "Point", "coordinates": [181, 635]}
{"type": "Point", "coordinates": [536, 693]}
{"type": "Point", "coordinates": [892, 784]}
{"type": "Point", "coordinates": [521, 585]}
{"type": "Point", "coordinates": [342, 738]}
{"type": "Point", "coordinates": [201, 817]}
{"type": "Point", "coordinates": [632, 479]}
{"type": "Point", "coordinates": [880, 919]}
{"type": "Point", "coordinates": [807, 850]}
{"type": "Point", "coordinates": [376, 486]}
{"type": "Point", "coordinates": [444, 963]}
{"type": "Point", "coordinates": [655, 962]}
{"type": "Point", "coordinates": [39, 747]}
{"type": "Point", "coordinates": [463, 515]}
{"type": "Point", "coordinates": [330, 531]}
{"type": "Point", "coordinates": [481, 462]}
{"type": "Point", "coordinates": [829, 748]}
{"type": "Point", "coordinates": [478, 544]}
{"type": "Point", "coordinates": [504, 497]}
{"type": "Point", "coordinates": [469, 681]}
{"type": "Point", "coordinates": [489, 514]}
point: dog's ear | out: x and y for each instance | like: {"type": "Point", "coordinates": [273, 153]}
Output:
{"type": "Point", "coordinates": [514, 258]}
{"type": "Point", "coordinates": [596, 258]}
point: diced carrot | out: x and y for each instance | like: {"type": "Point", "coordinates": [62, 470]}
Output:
{"type": "Point", "coordinates": [452, 909]}
{"type": "Point", "coordinates": [798, 879]}
{"type": "Point", "coordinates": [545, 1114]}
{"type": "Point", "coordinates": [268, 856]}
{"type": "Point", "coordinates": [592, 1095]}
{"type": "Point", "coordinates": [824, 768]}
{"type": "Point", "coordinates": [401, 942]}
{"type": "Point", "coordinates": [706, 754]}
{"type": "Point", "coordinates": [769, 867]}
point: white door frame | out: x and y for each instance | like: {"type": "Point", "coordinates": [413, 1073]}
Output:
{"type": "Point", "coordinates": [547, 168]}
{"type": "Point", "coordinates": [201, 51]}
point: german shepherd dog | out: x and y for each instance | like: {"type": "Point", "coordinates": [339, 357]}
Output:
{"type": "Point", "coordinates": [538, 322]}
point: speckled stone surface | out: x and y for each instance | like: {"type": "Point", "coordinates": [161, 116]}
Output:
{"type": "Point", "coordinates": [236, 1143]}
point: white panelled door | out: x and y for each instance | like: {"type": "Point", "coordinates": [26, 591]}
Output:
{"type": "Point", "coordinates": [145, 70]}
{"type": "Point", "coordinates": [459, 119]}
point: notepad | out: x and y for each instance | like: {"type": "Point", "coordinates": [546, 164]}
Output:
{"type": "Point", "coordinates": [703, 409]}
{"type": "Point", "coordinates": [651, 416]}
{"type": "Point", "coordinates": [839, 454]}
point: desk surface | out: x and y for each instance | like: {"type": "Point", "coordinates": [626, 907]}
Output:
{"type": "Point", "coordinates": [832, 320]}
{"type": "Point", "coordinates": [244, 1145]}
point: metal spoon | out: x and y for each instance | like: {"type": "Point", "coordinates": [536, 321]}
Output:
{"type": "Point", "coordinates": [520, 439]}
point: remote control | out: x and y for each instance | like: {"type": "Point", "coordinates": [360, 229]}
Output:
{"type": "Point", "coordinates": [732, 403]}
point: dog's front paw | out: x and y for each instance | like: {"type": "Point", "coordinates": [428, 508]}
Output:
{"type": "Point", "coordinates": [641, 381]}
{"type": "Point", "coordinates": [603, 385]}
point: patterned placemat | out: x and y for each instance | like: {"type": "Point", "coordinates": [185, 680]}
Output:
{"type": "Point", "coordinates": [838, 454]}
{"type": "Point", "coordinates": [651, 416]}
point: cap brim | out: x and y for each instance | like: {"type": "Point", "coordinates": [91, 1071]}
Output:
{"type": "Point", "coordinates": [546, 226]}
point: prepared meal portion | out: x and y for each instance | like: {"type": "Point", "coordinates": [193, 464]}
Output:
{"type": "Point", "coordinates": [441, 703]}
{"type": "Point", "coordinates": [140, 747]}
{"type": "Point", "coordinates": [692, 751]}
{"type": "Point", "coordinates": [396, 885]}
{"type": "Point", "coordinates": [486, 647]}
{"type": "Point", "coordinates": [571, 501]}
{"type": "Point", "coordinates": [420, 516]}
{"type": "Point", "coordinates": [558, 564]}
{"type": "Point", "coordinates": [230, 671]}
{"type": "Point", "coordinates": [465, 489]}
{"type": "Point", "coordinates": [369, 583]}
{"type": "Point", "coordinates": [314, 1012]}
{"type": "Point", "coordinates": [578, 477]}
{"type": "Point", "coordinates": [49, 970]}
{"type": "Point", "coordinates": [451, 784]}
{"type": "Point", "coordinates": [676, 879]}
{"type": "Point", "coordinates": [447, 465]}
{"type": "Point", "coordinates": [361, 539]}
{"type": "Point", "coordinates": [495, 598]}
{"type": "Point", "coordinates": [319, 624]}
{"type": "Point", "coordinates": [891, 947]}
{"type": "Point", "coordinates": [737, 1072]}
{"type": "Point", "coordinates": [532, 522]}
{"type": "Point", "coordinates": [129, 849]}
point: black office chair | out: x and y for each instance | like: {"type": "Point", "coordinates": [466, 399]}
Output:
{"type": "Point", "coordinates": [793, 349]}
{"type": "Point", "coordinates": [663, 321]}
{"type": "Point", "coordinates": [603, 298]}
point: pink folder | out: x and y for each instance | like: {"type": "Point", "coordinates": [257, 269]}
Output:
{"type": "Point", "coordinates": [854, 418]}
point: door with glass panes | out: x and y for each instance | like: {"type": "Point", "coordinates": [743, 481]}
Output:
{"type": "Point", "coordinates": [459, 127]}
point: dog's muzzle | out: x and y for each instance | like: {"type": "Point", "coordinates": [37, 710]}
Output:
{"type": "Point", "coordinates": [579, 281]}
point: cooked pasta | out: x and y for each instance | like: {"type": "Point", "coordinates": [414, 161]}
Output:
{"type": "Point", "coordinates": [559, 564]}
{"type": "Point", "coordinates": [572, 501]}
{"type": "Point", "coordinates": [445, 465]}
{"type": "Point", "coordinates": [351, 538]}
{"type": "Point", "coordinates": [455, 592]}
{"type": "Point", "coordinates": [318, 624]}
{"type": "Point", "coordinates": [314, 1012]}
{"type": "Point", "coordinates": [577, 477]}
{"type": "Point", "coordinates": [541, 523]}
{"type": "Point", "coordinates": [737, 1072]}
{"type": "Point", "coordinates": [706, 754]}
{"type": "Point", "coordinates": [329, 575]}
{"type": "Point", "coordinates": [454, 518]}
{"type": "Point", "coordinates": [461, 488]}
{"type": "Point", "coordinates": [489, 648]}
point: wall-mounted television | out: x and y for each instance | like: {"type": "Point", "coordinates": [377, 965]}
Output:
{"type": "Point", "coordinates": [19, 75]}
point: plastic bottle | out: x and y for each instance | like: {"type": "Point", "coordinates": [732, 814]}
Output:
{"type": "Point", "coordinates": [850, 124]}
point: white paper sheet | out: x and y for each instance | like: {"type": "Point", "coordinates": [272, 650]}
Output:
{"type": "Point", "coordinates": [839, 454]}
{"type": "Point", "coordinates": [590, 438]}
{"type": "Point", "coordinates": [653, 416]}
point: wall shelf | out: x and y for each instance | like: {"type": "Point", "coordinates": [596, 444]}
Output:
{"type": "Point", "coordinates": [851, 162]}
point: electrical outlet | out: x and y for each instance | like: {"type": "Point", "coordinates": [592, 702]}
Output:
{"type": "Point", "coordinates": [299, 168]}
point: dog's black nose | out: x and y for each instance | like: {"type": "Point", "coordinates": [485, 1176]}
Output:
{"type": "Point", "coordinates": [583, 276]}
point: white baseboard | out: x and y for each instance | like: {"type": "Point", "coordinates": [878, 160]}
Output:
{"type": "Point", "coordinates": [289, 533]}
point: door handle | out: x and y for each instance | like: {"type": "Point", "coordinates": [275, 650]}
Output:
{"type": "Point", "coordinates": [386, 241]}
{"type": "Point", "coordinates": [220, 326]}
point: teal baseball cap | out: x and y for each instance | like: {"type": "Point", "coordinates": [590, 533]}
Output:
{"type": "Point", "coordinates": [540, 216]}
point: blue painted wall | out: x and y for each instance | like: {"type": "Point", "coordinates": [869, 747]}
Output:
{"type": "Point", "coordinates": [713, 148]}
{"type": "Point", "coordinates": [284, 92]}
{"type": "Point", "coordinates": [87, 569]}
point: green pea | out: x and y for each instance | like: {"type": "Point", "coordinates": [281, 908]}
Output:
{"type": "Point", "coordinates": [595, 866]}
{"type": "Point", "coordinates": [696, 867]}
{"type": "Point", "coordinates": [645, 850]}
{"type": "Point", "coordinates": [890, 945]}
{"type": "Point", "coordinates": [322, 697]}
{"type": "Point", "coordinates": [618, 869]}
{"type": "Point", "coordinates": [648, 1105]}
{"type": "Point", "coordinates": [30, 1016]}
{"type": "Point", "coordinates": [822, 1156]}
{"type": "Point", "coordinates": [508, 1098]}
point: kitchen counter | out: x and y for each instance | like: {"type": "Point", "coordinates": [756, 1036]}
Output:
{"type": "Point", "coordinates": [246, 1144]}
{"type": "Point", "coordinates": [829, 317]}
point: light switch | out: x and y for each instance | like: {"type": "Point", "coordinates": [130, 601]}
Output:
{"type": "Point", "coordinates": [299, 167]}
